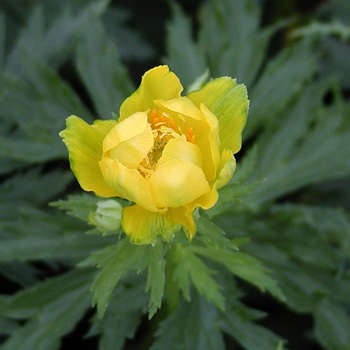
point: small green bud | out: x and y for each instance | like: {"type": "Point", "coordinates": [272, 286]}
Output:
{"type": "Point", "coordinates": [108, 215]}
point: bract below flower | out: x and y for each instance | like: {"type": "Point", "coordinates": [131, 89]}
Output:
{"type": "Point", "coordinates": [167, 153]}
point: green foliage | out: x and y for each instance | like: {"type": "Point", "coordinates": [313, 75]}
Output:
{"type": "Point", "coordinates": [190, 326]}
{"type": "Point", "coordinates": [51, 308]}
{"type": "Point", "coordinates": [123, 316]}
{"type": "Point", "coordinates": [282, 224]}
{"type": "Point", "coordinates": [114, 261]}
{"type": "Point", "coordinates": [156, 277]}
{"type": "Point", "coordinates": [100, 68]}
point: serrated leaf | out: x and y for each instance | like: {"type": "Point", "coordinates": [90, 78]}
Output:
{"type": "Point", "coordinates": [28, 302]}
{"type": "Point", "coordinates": [291, 160]}
{"type": "Point", "coordinates": [251, 336]}
{"type": "Point", "coordinates": [282, 80]}
{"type": "Point", "coordinates": [79, 206]}
{"type": "Point", "coordinates": [191, 326]}
{"type": "Point", "coordinates": [242, 45]}
{"type": "Point", "coordinates": [39, 102]}
{"type": "Point", "coordinates": [52, 43]}
{"type": "Point", "coordinates": [24, 274]}
{"type": "Point", "coordinates": [31, 187]}
{"type": "Point", "coordinates": [53, 308]}
{"type": "Point", "coordinates": [114, 261]}
{"type": "Point", "coordinates": [213, 235]}
{"type": "Point", "coordinates": [243, 266]}
{"type": "Point", "coordinates": [332, 324]}
{"type": "Point", "coordinates": [189, 267]}
{"type": "Point", "coordinates": [183, 56]}
{"type": "Point", "coordinates": [101, 70]}
{"type": "Point", "coordinates": [38, 235]}
{"type": "Point", "coordinates": [126, 311]}
{"type": "Point", "coordinates": [155, 277]}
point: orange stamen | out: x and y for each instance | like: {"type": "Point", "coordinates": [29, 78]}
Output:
{"type": "Point", "coordinates": [153, 114]}
{"type": "Point", "coordinates": [156, 121]}
{"type": "Point", "coordinates": [172, 123]}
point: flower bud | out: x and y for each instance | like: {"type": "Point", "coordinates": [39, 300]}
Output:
{"type": "Point", "coordinates": [107, 216]}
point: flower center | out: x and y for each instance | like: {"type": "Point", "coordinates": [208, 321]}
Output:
{"type": "Point", "coordinates": [164, 129]}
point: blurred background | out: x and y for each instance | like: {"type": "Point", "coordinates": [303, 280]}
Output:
{"type": "Point", "coordinates": [59, 58]}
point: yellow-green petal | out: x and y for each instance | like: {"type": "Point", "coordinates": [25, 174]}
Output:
{"type": "Point", "coordinates": [84, 143]}
{"type": "Point", "coordinates": [205, 201]}
{"type": "Point", "coordinates": [226, 168]}
{"type": "Point", "coordinates": [129, 183]}
{"type": "Point", "coordinates": [143, 226]}
{"type": "Point", "coordinates": [185, 218]}
{"type": "Point", "coordinates": [229, 102]}
{"type": "Point", "coordinates": [209, 144]}
{"type": "Point", "coordinates": [157, 84]}
{"type": "Point", "coordinates": [177, 182]}
{"type": "Point", "coordinates": [181, 149]}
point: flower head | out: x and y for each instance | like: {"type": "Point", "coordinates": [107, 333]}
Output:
{"type": "Point", "coordinates": [167, 153]}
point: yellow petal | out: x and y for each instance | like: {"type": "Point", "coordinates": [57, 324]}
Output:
{"type": "Point", "coordinates": [181, 149]}
{"type": "Point", "coordinates": [183, 106]}
{"type": "Point", "coordinates": [177, 182]}
{"type": "Point", "coordinates": [131, 152]}
{"type": "Point", "coordinates": [143, 226]}
{"type": "Point", "coordinates": [129, 183]}
{"type": "Point", "coordinates": [157, 84]}
{"type": "Point", "coordinates": [205, 126]}
{"type": "Point", "coordinates": [229, 103]}
{"type": "Point", "coordinates": [125, 130]}
{"type": "Point", "coordinates": [206, 201]}
{"type": "Point", "coordinates": [84, 143]}
{"type": "Point", "coordinates": [185, 218]}
{"type": "Point", "coordinates": [209, 143]}
{"type": "Point", "coordinates": [226, 168]}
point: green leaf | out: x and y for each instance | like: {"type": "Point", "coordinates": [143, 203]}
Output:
{"type": "Point", "coordinates": [2, 39]}
{"type": "Point", "coordinates": [183, 56]}
{"type": "Point", "coordinates": [53, 307]}
{"type": "Point", "coordinates": [290, 159]}
{"type": "Point", "coordinates": [130, 42]}
{"type": "Point", "coordinates": [55, 42]}
{"type": "Point", "coordinates": [7, 326]}
{"type": "Point", "coordinates": [243, 266]}
{"type": "Point", "coordinates": [79, 206]}
{"type": "Point", "coordinates": [189, 266]}
{"type": "Point", "coordinates": [192, 326]}
{"type": "Point", "coordinates": [249, 335]}
{"type": "Point", "coordinates": [39, 102]}
{"type": "Point", "coordinates": [213, 235]}
{"type": "Point", "coordinates": [101, 70]}
{"type": "Point", "coordinates": [284, 77]}
{"type": "Point", "coordinates": [31, 187]}
{"type": "Point", "coordinates": [231, 38]}
{"type": "Point", "coordinates": [246, 166]}
{"type": "Point", "coordinates": [319, 29]}
{"type": "Point", "coordinates": [37, 235]}
{"type": "Point", "coordinates": [156, 276]}
{"type": "Point", "coordinates": [114, 261]}
{"type": "Point", "coordinates": [24, 274]}
{"type": "Point", "coordinates": [332, 324]}
{"type": "Point", "coordinates": [126, 311]}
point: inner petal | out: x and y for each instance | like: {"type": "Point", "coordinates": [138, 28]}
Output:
{"type": "Point", "coordinates": [165, 129]}
{"type": "Point", "coordinates": [180, 149]}
{"type": "Point", "coordinates": [176, 183]}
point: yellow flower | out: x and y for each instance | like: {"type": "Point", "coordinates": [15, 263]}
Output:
{"type": "Point", "coordinates": [166, 153]}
